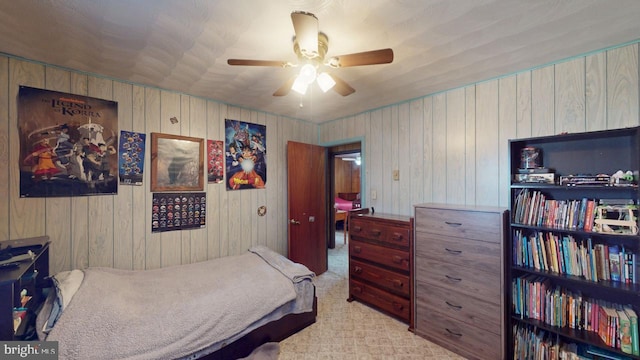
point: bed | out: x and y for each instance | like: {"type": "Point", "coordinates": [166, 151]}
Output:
{"type": "Point", "coordinates": [346, 201]}
{"type": "Point", "coordinates": [342, 204]}
{"type": "Point", "coordinates": [216, 309]}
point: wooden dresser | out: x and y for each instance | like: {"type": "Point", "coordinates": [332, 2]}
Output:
{"type": "Point", "coordinates": [381, 263]}
{"type": "Point", "coordinates": [459, 278]}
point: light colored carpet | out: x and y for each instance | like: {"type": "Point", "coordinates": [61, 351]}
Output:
{"type": "Point", "coordinates": [345, 330]}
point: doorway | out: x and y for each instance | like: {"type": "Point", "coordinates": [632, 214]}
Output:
{"type": "Point", "coordinates": [344, 192]}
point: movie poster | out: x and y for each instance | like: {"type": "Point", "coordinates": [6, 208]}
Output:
{"type": "Point", "coordinates": [131, 160]}
{"type": "Point", "coordinates": [246, 155]}
{"type": "Point", "coordinates": [215, 161]}
{"type": "Point", "coordinates": [67, 144]}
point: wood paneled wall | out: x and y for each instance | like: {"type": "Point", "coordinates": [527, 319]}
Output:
{"type": "Point", "coordinates": [449, 147]}
{"type": "Point", "coordinates": [347, 176]}
{"type": "Point", "coordinates": [115, 231]}
{"type": "Point", "coordinates": [452, 147]}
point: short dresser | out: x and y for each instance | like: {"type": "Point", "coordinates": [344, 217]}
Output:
{"type": "Point", "coordinates": [459, 299]}
{"type": "Point", "coordinates": [381, 263]}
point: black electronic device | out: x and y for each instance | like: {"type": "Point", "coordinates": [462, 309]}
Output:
{"type": "Point", "coordinates": [9, 265]}
{"type": "Point", "coordinates": [22, 246]}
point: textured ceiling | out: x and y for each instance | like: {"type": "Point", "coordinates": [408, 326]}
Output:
{"type": "Point", "coordinates": [184, 45]}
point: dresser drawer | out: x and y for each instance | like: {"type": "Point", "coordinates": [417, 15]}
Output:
{"type": "Point", "coordinates": [458, 306]}
{"type": "Point", "coordinates": [389, 280]}
{"type": "Point", "coordinates": [390, 303]}
{"type": "Point", "coordinates": [376, 231]}
{"type": "Point", "coordinates": [470, 282]}
{"type": "Point", "coordinates": [483, 226]}
{"type": "Point", "coordinates": [394, 258]}
{"type": "Point", "coordinates": [469, 341]}
{"type": "Point", "coordinates": [474, 254]}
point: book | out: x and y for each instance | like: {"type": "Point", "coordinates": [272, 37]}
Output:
{"type": "Point", "coordinates": [583, 213]}
{"type": "Point", "coordinates": [588, 217]}
{"type": "Point", "coordinates": [624, 332]}
{"type": "Point", "coordinates": [634, 268]}
{"type": "Point", "coordinates": [633, 321]}
{"type": "Point", "coordinates": [614, 263]}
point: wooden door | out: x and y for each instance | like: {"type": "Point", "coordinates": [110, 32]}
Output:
{"type": "Point", "coordinates": [307, 189]}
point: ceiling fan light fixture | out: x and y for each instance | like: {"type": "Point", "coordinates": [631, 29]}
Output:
{"type": "Point", "coordinates": [325, 81]}
{"type": "Point", "coordinates": [299, 86]}
{"type": "Point", "coordinates": [307, 74]}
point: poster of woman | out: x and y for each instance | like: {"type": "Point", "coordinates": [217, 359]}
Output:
{"type": "Point", "coordinates": [246, 155]}
{"type": "Point", "coordinates": [67, 144]}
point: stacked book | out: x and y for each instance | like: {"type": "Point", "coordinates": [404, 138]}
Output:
{"type": "Point", "coordinates": [563, 254]}
{"type": "Point", "coordinates": [616, 324]}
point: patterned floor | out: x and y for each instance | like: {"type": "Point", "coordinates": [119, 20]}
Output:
{"type": "Point", "coordinates": [351, 330]}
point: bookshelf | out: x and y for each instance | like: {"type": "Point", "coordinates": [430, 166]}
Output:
{"type": "Point", "coordinates": [573, 250]}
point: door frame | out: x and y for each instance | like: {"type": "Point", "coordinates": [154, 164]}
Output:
{"type": "Point", "coordinates": [331, 180]}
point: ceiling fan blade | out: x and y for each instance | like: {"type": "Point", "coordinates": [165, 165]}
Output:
{"type": "Point", "coordinates": [284, 89]}
{"type": "Point", "coordinates": [306, 27]}
{"type": "Point", "coordinates": [382, 56]}
{"type": "Point", "coordinates": [246, 62]}
{"type": "Point", "coordinates": [341, 87]}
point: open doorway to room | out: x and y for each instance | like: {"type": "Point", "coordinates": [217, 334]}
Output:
{"type": "Point", "coordinates": [345, 182]}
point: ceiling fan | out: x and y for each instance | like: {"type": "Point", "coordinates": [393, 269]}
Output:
{"type": "Point", "coordinates": [311, 46]}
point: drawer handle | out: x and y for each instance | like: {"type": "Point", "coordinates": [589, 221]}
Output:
{"type": "Point", "coordinates": [454, 252]}
{"type": "Point", "coordinates": [375, 232]}
{"type": "Point", "coordinates": [453, 333]}
{"type": "Point", "coordinates": [454, 224]}
{"type": "Point", "coordinates": [398, 306]}
{"type": "Point", "coordinates": [453, 278]}
{"type": "Point", "coordinates": [357, 249]}
{"type": "Point", "coordinates": [453, 306]}
{"type": "Point", "coordinates": [397, 259]}
{"type": "Point", "coordinates": [397, 283]}
{"type": "Point", "coordinates": [357, 270]}
{"type": "Point", "coordinates": [397, 237]}
{"type": "Point", "coordinates": [357, 289]}
{"type": "Point", "coordinates": [356, 229]}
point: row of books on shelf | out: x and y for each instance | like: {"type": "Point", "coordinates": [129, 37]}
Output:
{"type": "Point", "coordinates": [534, 208]}
{"type": "Point", "coordinates": [563, 254]}
{"type": "Point", "coordinates": [537, 298]}
{"type": "Point", "coordinates": [532, 343]}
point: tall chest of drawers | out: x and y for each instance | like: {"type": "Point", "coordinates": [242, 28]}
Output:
{"type": "Point", "coordinates": [459, 278]}
{"type": "Point", "coordinates": [381, 263]}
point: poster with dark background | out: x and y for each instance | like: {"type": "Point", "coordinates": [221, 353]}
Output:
{"type": "Point", "coordinates": [178, 211]}
{"type": "Point", "coordinates": [67, 144]}
{"type": "Point", "coordinates": [246, 155]}
{"type": "Point", "coordinates": [131, 160]}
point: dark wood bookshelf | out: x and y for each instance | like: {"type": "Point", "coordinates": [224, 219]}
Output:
{"type": "Point", "coordinates": [592, 153]}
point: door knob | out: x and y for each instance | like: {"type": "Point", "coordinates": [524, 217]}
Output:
{"type": "Point", "coordinates": [294, 222]}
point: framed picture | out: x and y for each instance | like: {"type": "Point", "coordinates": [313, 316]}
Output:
{"type": "Point", "coordinates": [177, 163]}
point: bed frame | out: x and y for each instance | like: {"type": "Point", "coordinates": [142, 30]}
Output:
{"type": "Point", "coordinates": [274, 331]}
